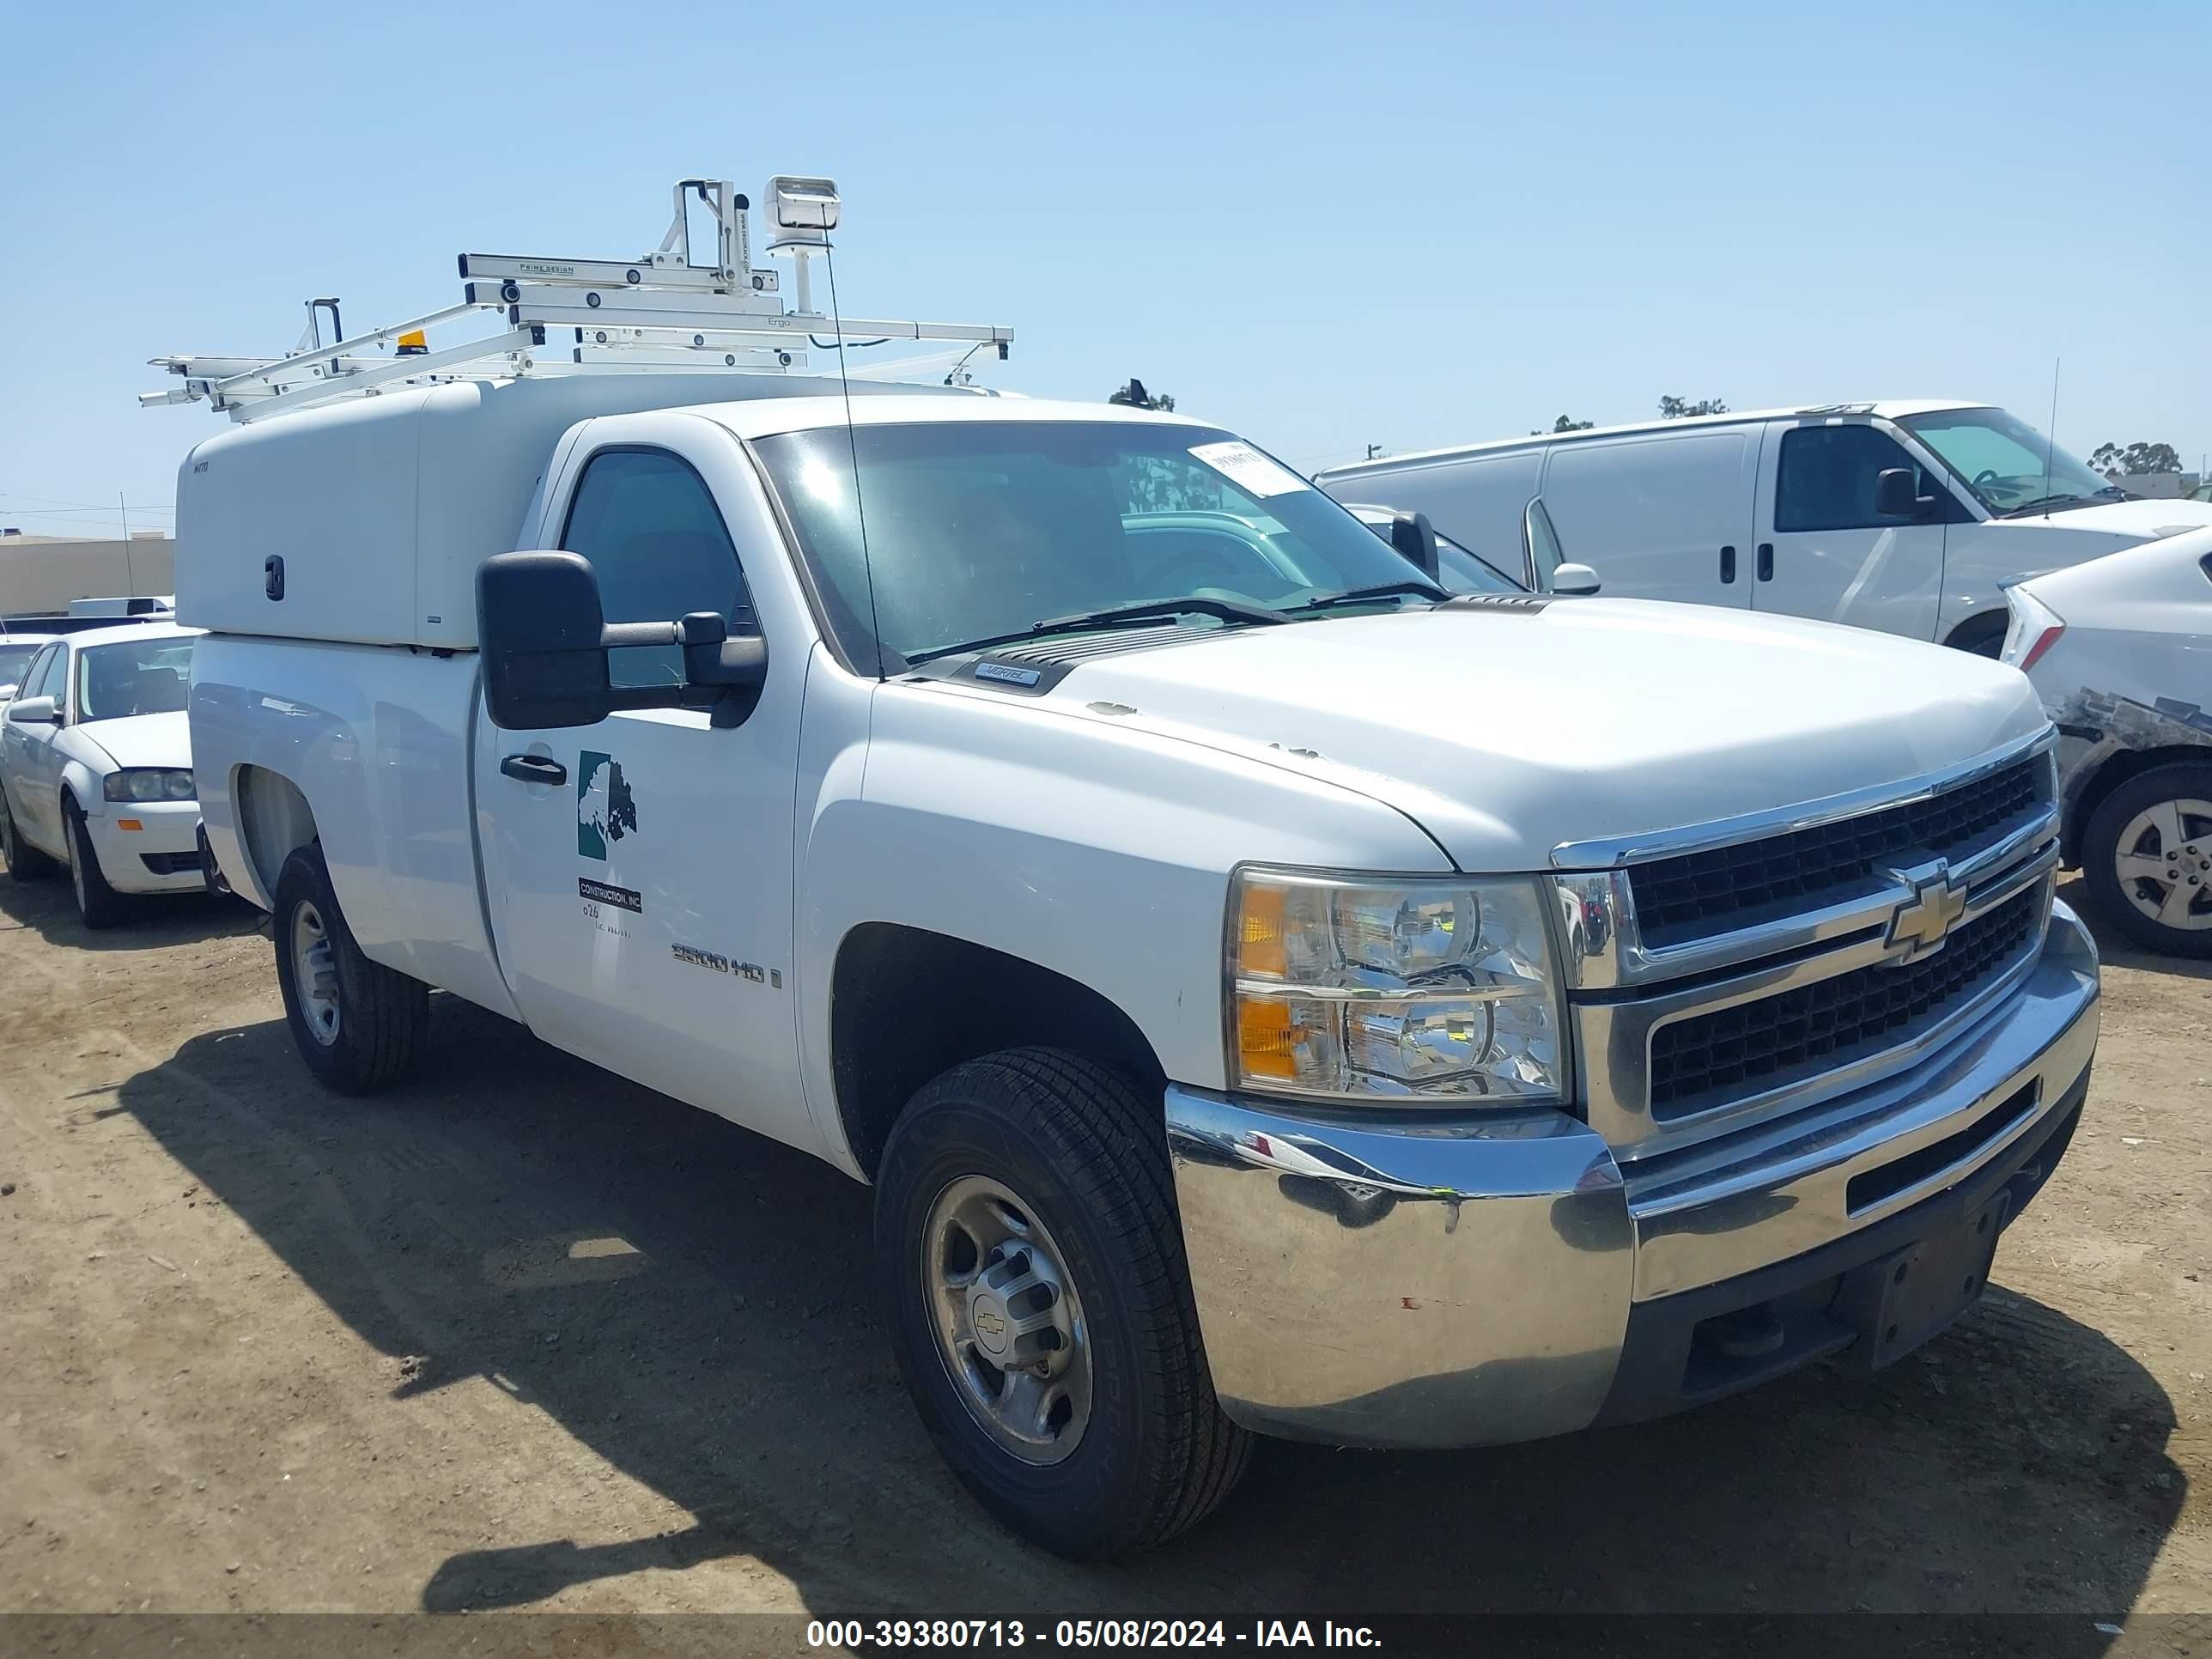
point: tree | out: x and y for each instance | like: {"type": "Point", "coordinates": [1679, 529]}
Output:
{"type": "Point", "coordinates": [1564, 424]}
{"type": "Point", "coordinates": [1674, 409]}
{"type": "Point", "coordinates": [2113, 461]}
{"type": "Point", "coordinates": [1134, 396]}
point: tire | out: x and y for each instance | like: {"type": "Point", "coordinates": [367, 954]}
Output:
{"type": "Point", "coordinates": [25, 862]}
{"type": "Point", "coordinates": [1982, 636]}
{"type": "Point", "coordinates": [1083, 1156]}
{"type": "Point", "coordinates": [97, 905]}
{"type": "Point", "coordinates": [2125, 826]}
{"type": "Point", "coordinates": [359, 1025]}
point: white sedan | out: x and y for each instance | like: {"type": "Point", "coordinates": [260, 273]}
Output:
{"type": "Point", "coordinates": [96, 766]}
{"type": "Point", "coordinates": [2120, 651]}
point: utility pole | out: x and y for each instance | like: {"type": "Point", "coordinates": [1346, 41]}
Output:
{"type": "Point", "coordinates": [129, 579]}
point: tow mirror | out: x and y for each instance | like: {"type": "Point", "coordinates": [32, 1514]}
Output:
{"type": "Point", "coordinates": [1415, 537]}
{"type": "Point", "coordinates": [1574, 579]}
{"type": "Point", "coordinates": [34, 711]}
{"type": "Point", "coordinates": [545, 640]}
{"type": "Point", "coordinates": [1897, 494]}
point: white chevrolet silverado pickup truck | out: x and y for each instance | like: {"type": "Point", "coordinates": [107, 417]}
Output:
{"type": "Point", "coordinates": [1268, 995]}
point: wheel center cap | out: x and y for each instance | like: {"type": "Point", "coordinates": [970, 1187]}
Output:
{"type": "Point", "coordinates": [988, 1318]}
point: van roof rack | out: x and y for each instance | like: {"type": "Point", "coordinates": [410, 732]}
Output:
{"type": "Point", "coordinates": [679, 309]}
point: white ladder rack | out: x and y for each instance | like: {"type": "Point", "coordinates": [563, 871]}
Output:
{"type": "Point", "coordinates": [663, 313]}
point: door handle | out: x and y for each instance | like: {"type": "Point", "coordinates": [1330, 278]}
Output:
{"type": "Point", "coordinates": [534, 769]}
{"type": "Point", "coordinates": [1766, 561]}
{"type": "Point", "coordinates": [1728, 564]}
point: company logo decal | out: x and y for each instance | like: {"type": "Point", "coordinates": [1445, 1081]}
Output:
{"type": "Point", "coordinates": [605, 811]}
{"type": "Point", "coordinates": [603, 892]}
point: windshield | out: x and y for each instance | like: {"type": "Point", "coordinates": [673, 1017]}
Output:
{"type": "Point", "coordinates": [2008, 464]}
{"type": "Point", "coordinates": [13, 660]}
{"type": "Point", "coordinates": [144, 677]}
{"type": "Point", "coordinates": [979, 529]}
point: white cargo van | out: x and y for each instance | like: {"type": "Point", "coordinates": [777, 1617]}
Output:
{"type": "Point", "coordinates": [1268, 995]}
{"type": "Point", "coordinates": [1911, 517]}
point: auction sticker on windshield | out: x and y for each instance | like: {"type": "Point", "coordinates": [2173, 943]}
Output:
{"type": "Point", "coordinates": [1248, 469]}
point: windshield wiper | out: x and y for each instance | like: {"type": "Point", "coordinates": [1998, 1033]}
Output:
{"type": "Point", "coordinates": [1228, 611]}
{"type": "Point", "coordinates": [1360, 595]}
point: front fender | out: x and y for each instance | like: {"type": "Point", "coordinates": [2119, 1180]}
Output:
{"type": "Point", "coordinates": [1098, 852]}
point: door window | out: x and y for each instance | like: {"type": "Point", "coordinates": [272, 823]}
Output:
{"type": "Point", "coordinates": [1824, 480]}
{"type": "Point", "coordinates": [656, 540]}
{"type": "Point", "coordinates": [26, 681]}
{"type": "Point", "coordinates": [52, 675]}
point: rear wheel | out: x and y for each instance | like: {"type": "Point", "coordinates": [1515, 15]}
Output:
{"type": "Point", "coordinates": [25, 861]}
{"type": "Point", "coordinates": [1032, 1266]}
{"type": "Point", "coordinates": [2146, 855]}
{"type": "Point", "coordinates": [358, 1024]}
{"type": "Point", "coordinates": [97, 905]}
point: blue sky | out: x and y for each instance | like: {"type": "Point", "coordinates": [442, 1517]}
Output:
{"type": "Point", "coordinates": [1403, 225]}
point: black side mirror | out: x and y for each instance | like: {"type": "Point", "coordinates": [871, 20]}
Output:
{"type": "Point", "coordinates": [1896, 496]}
{"type": "Point", "coordinates": [544, 639]}
{"type": "Point", "coordinates": [1415, 537]}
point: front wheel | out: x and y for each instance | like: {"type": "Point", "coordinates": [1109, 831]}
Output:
{"type": "Point", "coordinates": [358, 1024]}
{"type": "Point", "coordinates": [98, 904]}
{"type": "Point", "coordinates": [2146, 856]}
{"type": "Point", "coordinates": [1032, 1263]}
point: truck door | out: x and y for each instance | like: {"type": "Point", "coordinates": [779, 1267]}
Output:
{"type": "Point", "coordinates": [640, 870]}
{"type": "Point", "coordinates": [1822, 550]}
{"type": "Point", "coordinates": [1661, 515]}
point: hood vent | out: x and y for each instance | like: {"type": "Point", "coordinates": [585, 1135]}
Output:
{"type": "Point", "coordinates": [1073, 648]}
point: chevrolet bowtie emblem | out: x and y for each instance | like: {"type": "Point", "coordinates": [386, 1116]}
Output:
{"type": "Point", "coordinates": [1918, 926]}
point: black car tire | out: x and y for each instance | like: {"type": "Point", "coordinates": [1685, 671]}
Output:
{"type": "Point", "coordinates": [1086, 1153]}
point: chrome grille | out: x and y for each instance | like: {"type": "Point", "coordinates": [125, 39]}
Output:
{"type": "Point", "coordinates": [1790, 966]}
{"type": "Point", "coordinates": [1697, 894]}
{"type": "Point", "coordinates": [1830, 1021]}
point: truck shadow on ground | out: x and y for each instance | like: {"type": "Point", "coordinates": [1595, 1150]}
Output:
{"type": "Point", "coordinates": [694, 1304]}
{"type": "Point", "coordinates": [152, 923]}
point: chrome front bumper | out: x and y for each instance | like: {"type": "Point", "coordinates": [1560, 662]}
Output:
{"type": "Point", "coordinates": [1451, 1282]}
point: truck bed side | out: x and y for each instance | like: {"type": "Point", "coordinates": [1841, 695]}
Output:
{"type": "Point", "coordinates": [366, 749]}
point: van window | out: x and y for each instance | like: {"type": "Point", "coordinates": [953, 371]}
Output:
{"type": "Point", "coordinates": [1824, 480]}
{"type": "Point", "coordinates": [656, 540]}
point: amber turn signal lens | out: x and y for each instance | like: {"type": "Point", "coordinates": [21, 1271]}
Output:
{"type": "Point", "coordinates": [1259, 933]}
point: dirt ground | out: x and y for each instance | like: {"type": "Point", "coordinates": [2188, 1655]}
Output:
{"type": "Point", "coordinates": [523, 1336]}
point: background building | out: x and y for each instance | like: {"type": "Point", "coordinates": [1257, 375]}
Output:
{"type": "Point", "coordinates": [40, 574]}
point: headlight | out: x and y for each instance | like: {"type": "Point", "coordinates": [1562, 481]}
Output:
{"type": "Point", "coordinates": [1412, 990]}
{"type": "Point", "coordinates": [145, 783]}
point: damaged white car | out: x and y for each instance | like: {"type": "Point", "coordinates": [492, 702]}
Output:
{"type": "Point", "coordinates": [2120, 651]}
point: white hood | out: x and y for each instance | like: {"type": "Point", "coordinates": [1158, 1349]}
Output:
{"type": "Point", "coordinates": [142, 739]}
{"type": "Point", "coordinates": [2140, 519]}
{"type": "Point", "coordinates": [1503, 734]}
